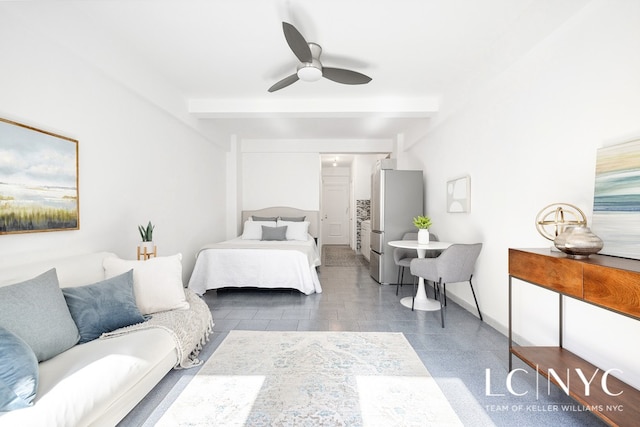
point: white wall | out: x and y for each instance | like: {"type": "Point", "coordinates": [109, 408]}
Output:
{"type": "Point", "coordinates": [530, 139]}
{"type": "Point", "coordinates": [267, 168]}
{"type": "Point", "coordinates": [274, 174]}
{"type": "Point", "coordinates": [361, 171]}
{"type": "Point", "coordinates": [136, 163]}
{"type": "Point", "coordinates": [280, 179]}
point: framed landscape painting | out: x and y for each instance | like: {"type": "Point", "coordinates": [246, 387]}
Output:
{"type": "Point", "coordinates": [616, 202]}
{"type": "Point", "coordinates": [38, 180]}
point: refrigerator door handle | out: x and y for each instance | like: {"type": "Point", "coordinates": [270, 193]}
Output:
{"type": "Point", "coordinates": [377, 241]}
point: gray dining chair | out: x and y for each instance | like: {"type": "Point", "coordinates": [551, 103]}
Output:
{"type": "Point", "coordinates": [455, 264]}
{"type": "Point", "coordinates": [402, 257]}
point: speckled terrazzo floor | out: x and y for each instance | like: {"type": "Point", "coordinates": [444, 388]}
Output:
{"type": "Point", "coordinates": [457, 356]}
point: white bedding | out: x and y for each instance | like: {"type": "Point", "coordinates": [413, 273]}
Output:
{"type": "Point", "coordinates": [255, 263]}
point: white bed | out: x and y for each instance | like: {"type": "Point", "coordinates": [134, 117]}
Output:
{"type": "Point", "coordinates": [251, 262]}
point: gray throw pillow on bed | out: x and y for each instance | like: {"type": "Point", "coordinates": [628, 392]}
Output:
{"type": "Point", "coordinates": [103, 306]}
{"type": "Point", "coordinates": [292, 218]}
{"type": "Point", "coordinates": [264, 218]}
{"type": "Point", "coordinates": [35, 310]}
{"type": "Point", "coordinates": [274, 233]}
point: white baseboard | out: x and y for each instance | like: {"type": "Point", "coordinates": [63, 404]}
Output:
{"type": "Point", "coordinates": [503, 329]}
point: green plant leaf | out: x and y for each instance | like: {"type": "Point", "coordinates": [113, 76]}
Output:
{"type": "Point", "coordinates": [146, 233]}
{"type": "Point", "coordinates": [422, 222]}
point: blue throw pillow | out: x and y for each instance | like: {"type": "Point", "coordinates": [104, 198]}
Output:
{"type": "Point", "coordinates": [103, 306]}
{"type": "Point", "coordinates": [18, 372]}
{"type": "Point", "coordinates": [35, 311]}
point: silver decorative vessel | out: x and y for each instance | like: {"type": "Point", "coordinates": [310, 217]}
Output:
{"type": "Point", "coordinates": [578, 242]}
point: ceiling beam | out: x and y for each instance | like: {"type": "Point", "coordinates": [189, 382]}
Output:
{"type": "Point", "coordinates": [384, 107]}
{"type": "Point", "coordinates": [351, 146]}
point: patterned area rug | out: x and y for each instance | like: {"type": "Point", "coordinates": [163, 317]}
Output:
{"type": "Point", "coordinates": [312, 379]}
{"type": "Point", "coordinates": [341, 256]}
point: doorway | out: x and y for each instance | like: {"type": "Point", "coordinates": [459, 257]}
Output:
{"type": "Point", "coordinates": [335, 210]}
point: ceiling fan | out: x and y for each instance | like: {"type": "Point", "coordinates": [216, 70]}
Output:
{"type": "Point", "coordinates": [310, 68]}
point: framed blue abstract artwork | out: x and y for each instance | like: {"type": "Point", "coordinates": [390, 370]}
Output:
{"type": "Point", "coordinates": [616, 202]}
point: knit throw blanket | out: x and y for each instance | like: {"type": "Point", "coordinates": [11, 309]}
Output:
{"type": "Point", "coordinates": [190, 329]}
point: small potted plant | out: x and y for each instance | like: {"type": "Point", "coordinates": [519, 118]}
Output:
{"type": "Point", "coordinates": [422, 223]}
{"type": "Point", "coordinates": [146, 234]}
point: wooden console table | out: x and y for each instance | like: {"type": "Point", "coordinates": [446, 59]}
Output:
{"type": "Point", "coordinates": [608, 282]}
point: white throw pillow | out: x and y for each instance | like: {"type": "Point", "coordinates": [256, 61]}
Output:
{"type": "Point", "coordinates": [253, 229]}
{"type": "Point", "coordinates": [157, 282]}
{"type": "Point", "coordinates": [296, 230]}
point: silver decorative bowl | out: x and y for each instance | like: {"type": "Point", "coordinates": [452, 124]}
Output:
{"type": "Point", "coordinates": [578, 242]}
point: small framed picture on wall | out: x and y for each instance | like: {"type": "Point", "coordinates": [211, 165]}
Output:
{"type": "Point", "coordinates": [459, 194]}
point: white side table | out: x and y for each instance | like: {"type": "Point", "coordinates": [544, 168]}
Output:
{"type": "Point", "coordinates": [421, 302]}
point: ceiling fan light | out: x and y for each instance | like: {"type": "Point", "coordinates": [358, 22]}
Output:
{"type": "Point", "coordinates": [309, 73]}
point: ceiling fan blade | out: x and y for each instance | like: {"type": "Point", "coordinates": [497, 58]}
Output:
{"type": "Point", "coordinates": [346, 77]}
{"type": "Point", "coordinates": [296, 42]}
{"type": "Point", "coordinates": [344, 60]}
{"type": "Point", "coordinates": [284, 83]}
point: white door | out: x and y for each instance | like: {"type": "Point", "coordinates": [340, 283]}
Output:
{"type": "Point", "coordinates": [335, 211]}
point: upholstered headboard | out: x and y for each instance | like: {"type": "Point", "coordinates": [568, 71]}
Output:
{"type": "Point", "coordinates": [312, 216]}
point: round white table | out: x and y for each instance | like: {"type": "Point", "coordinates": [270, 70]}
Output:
{"type": "Point", "coordinates": [421, 302]}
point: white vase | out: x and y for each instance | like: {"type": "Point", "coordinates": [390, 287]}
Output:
{"type": "Point", "coordinates": [423, 236]}
{"type": "Point", "coordinates": [146, 245]}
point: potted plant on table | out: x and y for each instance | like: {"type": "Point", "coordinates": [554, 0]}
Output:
{"type": "Point", "coordinates": [422, 223]}
{"type": "Point", "coordinates": [146, 234]}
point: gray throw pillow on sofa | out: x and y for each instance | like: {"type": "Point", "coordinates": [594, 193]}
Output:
{"type": "Point", "coordinates": [18, 372]}
{"type": "Point", "coordinates": [35, 310]}
{"type": "Point", "coordinates": [274, 233]}
{"type": "Point", "coordinates": [103, 306]}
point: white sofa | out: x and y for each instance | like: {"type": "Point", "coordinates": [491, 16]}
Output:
{"type": "Point", "coordinates": [95, 383]}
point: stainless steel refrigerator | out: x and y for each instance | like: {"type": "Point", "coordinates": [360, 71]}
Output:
{"type": "Point", "coordinates": [397, 196]}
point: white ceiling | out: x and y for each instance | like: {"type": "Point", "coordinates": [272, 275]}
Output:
{"type": "Point", "coordinates": [210, 62]}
